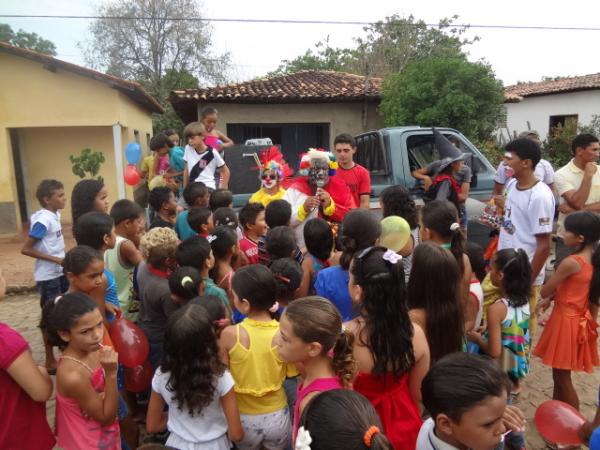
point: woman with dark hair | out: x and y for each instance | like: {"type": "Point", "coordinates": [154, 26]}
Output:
{"type": "Point", "coordinates": [390, 351]}
{"type": "Point", "coordinates": [88, 195]}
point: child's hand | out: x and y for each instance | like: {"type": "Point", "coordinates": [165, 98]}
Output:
{"type": "Point", "coordinates": [586, 431]}
{"type": "Point", "coordinates": [514, 419]}
{"type": "Point", "coordinates": [543, 305]}
{"type": "Point", "coordinates": [114, 310]}
{"type": "Point", "coordinates": [109, 360]}
{"type": "Point", "coordinates": [474, 336]}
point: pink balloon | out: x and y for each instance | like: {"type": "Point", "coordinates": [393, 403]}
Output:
{"type": "Point", "coordinates": [129, 341]}
{"type": "Point", "coordinates": [211, 141]}
{"type": "Point", "coordinates": [138, 378]}
{"type": "Point", "coordinates": [131, 175]}
{"type": "Point", "coordinates": [558, 422]}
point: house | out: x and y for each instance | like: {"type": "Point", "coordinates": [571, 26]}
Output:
{"type": "Point", "coordinates": [543, 105]}
{"type": "Point", "coordinates": [297, 111]}
{"type": "Point", "coordinates": [50, 109]}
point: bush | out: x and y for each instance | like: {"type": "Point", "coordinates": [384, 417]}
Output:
{"type": "Point", "coordinates": [88, 161]}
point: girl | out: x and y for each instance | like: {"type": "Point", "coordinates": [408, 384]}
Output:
{"type": "Point", "coordinates": [508, 318]}
{"type": "Point", "coordinates": [208, 118]}
{"type": "Point", "coordinates": [360, 229]}
{"type": "Point", "coordinates": [391, 353]}
{"type": "Point", "coordinates": [568, 341]}
{"type": "Point", "coordinates": [311, 334]}
{"type": "Point", "coordinates": [318, 239]}
{"type": "Point", "coordinates": [224, 245]}
{"type": "Point", "coordinates": [185, 283]}
{"type": "Point", "coordinates": [440, 225]}
{"type": "Point", "coordinates": [88, 195]}
{"type": "Point", "coordinates": [259, 373]}
{"type": "Point", "coordinates": [433, 299]}
{"type": "Point", "coordinates": [288, 276]}
{"type": "Point", "coordinates": [195, 385]}
{"type": "Point", "coordinates": [475, 255]}
{"type": "Point", "coordinates": [341, 420]}
{"type": "Point", "coordinates": [86, 379]}
{"type": "Point", "coordinates": [217, 313]}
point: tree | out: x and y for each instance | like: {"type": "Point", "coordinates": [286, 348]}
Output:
{"type": "Point", "coordinates": [138, 40]}
{"type": "Point", "coordinates": [445, 91]}
{"type": "Point", "coordinates": [23, 39]}
{"type": "Point", "coordinates": [325, 58]}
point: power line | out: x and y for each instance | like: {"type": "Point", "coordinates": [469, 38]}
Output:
{"type": "Point", "coordinates": [295, 22]}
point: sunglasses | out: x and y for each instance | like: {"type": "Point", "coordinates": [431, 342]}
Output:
{"type": "Point", "coordinates": [267, 177]}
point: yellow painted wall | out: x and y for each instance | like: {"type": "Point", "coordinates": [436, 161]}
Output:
{"type": "Point", "coordinates": [342, 117]}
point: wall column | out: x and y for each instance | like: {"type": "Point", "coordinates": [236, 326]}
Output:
{"type": "Point", "coordinates": [118, 148]}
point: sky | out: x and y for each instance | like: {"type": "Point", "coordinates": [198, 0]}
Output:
{"type": "Point", "coordinates": [255, 49]}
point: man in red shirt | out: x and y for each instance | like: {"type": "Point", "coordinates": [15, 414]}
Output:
{"type": "Point", "coordinates": [356, 176]}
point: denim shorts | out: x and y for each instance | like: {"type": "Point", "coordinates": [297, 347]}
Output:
{"type": "Point", "coordinates": [50, 289]}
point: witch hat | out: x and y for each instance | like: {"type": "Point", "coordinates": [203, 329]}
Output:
{"type": "Point", "coordinates": [448, 152]}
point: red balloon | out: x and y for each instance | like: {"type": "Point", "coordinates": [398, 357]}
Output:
{"type": "Point", "coordinates": [131, 175]}
{"type": "Point", "coordinates": [138, 378]}
{"type": "Point", "coordinates": [129, 341]}
{"type": "Point", "coordinates": [558, 422]}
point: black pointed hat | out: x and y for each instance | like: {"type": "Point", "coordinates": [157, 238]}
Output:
{"type": "Point", "coordinates": [448, 152]}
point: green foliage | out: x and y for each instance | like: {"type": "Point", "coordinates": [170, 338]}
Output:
{"type": "Point", "coordinates": [323, 58]}
{"type": "Point", "coordinates": [445, 92]}
{"type": "Point", "coordinates": [557, 146]}
{"type": "Point", "coordinates": [88, 161]}
{"type": "Point", "coordinates": [23, 39]}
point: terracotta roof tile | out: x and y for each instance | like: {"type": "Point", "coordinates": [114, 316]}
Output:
{"type": "Point", "coordinates": [131, 89]}
{"type": "Point", "coordinates": [566, 84]}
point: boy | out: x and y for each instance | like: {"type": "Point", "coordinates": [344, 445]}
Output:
{"type": "Point", "coordinates": [201, 221]}
{"type": "Point", "coordinates": [252, 220]}
{"type": "Point", "coordinates": [196, 252]}
{"type": "Point", "coordinates": [278, 213]}
{"type": "Point", "coordinates": [123, 259]}
{"type": "Point", "coordinates": [194, 194]}
{"type": "Point", "coordinates": [46, 244]}
{"type": "Point", "coordinates": [466, 396]}
{"type": "Point", "coordinates": [356, 176]}
{"type": "Point", "coordinates": [157, 163]}
{"type": "Point", "coordinates": [163, 202]}
{"type": "Point", "coordinates": [202, 161]}
{"type": "Point", "coordinates": [220, 198]}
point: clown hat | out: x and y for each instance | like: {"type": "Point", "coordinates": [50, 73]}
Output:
{"type": "Point", "coordinates": [315, 154]}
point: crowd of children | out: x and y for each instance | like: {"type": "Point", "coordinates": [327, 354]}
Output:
{"type": "Point", "coordinates": [367, 334]}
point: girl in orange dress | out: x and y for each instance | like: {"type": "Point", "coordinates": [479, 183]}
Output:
{"type": "Point", "coordinates": [568, 341]}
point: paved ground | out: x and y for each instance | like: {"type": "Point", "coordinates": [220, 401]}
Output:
{"type": "Point", "coordinates": [22, 312]}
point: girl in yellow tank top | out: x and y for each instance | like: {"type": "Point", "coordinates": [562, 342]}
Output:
{"type": "Point", "coordinates": [249, 349]}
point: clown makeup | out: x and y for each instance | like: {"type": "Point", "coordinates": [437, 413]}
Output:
{"type": "Point", "coordinates": [319, 174]}
{"type": "Point", "coordinates": [268, 179]}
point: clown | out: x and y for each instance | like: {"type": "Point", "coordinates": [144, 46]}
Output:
{"type": "Point", "coordinates": [318, 192]}
{"type": "Point", "coordinates": [273, 171]}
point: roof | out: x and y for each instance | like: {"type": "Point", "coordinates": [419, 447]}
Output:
{"type": "Point", "coordinates": [560, 85]}
{"type": "Point", "coordinates": [307, 86]}
{"type": "Point", "coordinates": [131, 89]}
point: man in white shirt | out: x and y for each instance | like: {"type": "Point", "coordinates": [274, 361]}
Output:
{"type": "Point", "coordinates": [528, 213]}
{"type": "Point", "coordinates": [578, 185]}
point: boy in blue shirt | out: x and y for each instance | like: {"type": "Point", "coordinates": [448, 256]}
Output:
{"type": "Point", "coordinates": [46, 244]}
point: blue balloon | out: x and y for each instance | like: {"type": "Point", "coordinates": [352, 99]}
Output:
{"type": "Point", "coordinates": [133, 152]}
{"type": "Point", "coordinates": [595, 440]}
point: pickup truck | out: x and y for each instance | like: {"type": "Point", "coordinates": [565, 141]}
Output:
{"type": "Point", "coordinates": [390, 154]}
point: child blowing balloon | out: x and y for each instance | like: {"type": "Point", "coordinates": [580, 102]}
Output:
{"type": "Point", "coordinates": [569, 340]}
{"type": "Point", "coordinates": [86, 379]}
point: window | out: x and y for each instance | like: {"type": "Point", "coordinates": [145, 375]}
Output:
{"type": "Point", "coordinates": [370, 154]}
{"type": "Point", "coordinates": [561, 122]}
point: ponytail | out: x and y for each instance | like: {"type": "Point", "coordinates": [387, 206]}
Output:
{"type": "Point", "coordinates": [185, 283]}
{"type": "Point", "coordinates": [61, 314]}
{"type": "Point", "coordinates": [441, 216]}
{"type": "Point", "coordinates": [457, 245]}
{"type": "Point", "coordinates": [516, 284]}
{"type": "Point", "coordinates": [343, 358]}
{"type": "Point", "coordinates": [595, 283]}
{"type": "Point", "coordinates": [360, 229]}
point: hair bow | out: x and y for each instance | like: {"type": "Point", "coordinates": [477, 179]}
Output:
{"type": "Point", "coordinates": [303, 439]}
{"type": "Point", "coordinates": [210, 238]}
{"type": "Point", "coordinates": [392, 257]}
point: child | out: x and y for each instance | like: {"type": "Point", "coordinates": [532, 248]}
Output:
{"type": "Point", "coordinates": [288, 275]}
{"type": "Point", "coordinates": [280, 243]}
{"type": "Point", "coordinates": [339, 420]}
{"type": "Point", "coordinates": [396, 201]}
{"type": "Point", "coordinates": [195, 385]}
{"type": "Point", "coordinates": [437, 311]}
{"type": "Point", "coordinates": [391, 353]}
{"type": "Point", "coordinates": [176, 162]}
{"type": "Point", "coordinates": [356, 176]}
{"type": "Point", "coordinates": [318, 239]}
{"type": "Point", "coordinates": [158, 247]}
{"type": "Point", "coordinates": [200, 220]}
{"type": "Point", "coordinates": [249, 349]}
{"type": "Point", "coordinates": [25, 388]}
{"type": "Point", "coordinates": [475, 254]}
{"type": "Point", "coordinates": [310, 330]}
{"type": "Point", "coordinates": [202, 161]}
{"type": "Point", "coordinates": [46, 244]}
{"type": "Point", "coordinates": [360, 229]}
{"type": "Point", "coordinates": [569, 340]}
{"type": "Point", "coordinates": [208, 118]}
{"type": "Point", "coordinates": [157, 163]}
{"type": "Point", "coordinates": [196, 252]}
{"type": "Point", "coordinates": [130, 225]}
{"type": "Point", "coordinates": [220, 198]}
{"type": "Point", "coordinates": [227, 217]}
{"type": "Point", "coordinates": [224, 245]}
{"type": "Point", "coordinates": [195, 195]}
{"type": "Point", "coordinates": [466, 396]}
{"type": "Point", "coordinates": [278, 213]}
{"type": "Point", "coordinates": [86, 378]}
{"type": "Point", "coordinates": [507, 335]}
{"type": "Point", "coordinates": [252, 219]}
{"type": "Point", "coordinates": [163, 202]}
{"type": "Point", "coordinates": [440, 225]}
{"type": "Point", "coordinates": [88, 195]}
{"type": "Point", "coordinates": [217, 313]}
{"type": "Point", "coordinates": [185, 284]}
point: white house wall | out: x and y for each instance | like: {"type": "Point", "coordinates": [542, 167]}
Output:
{"type": "Point", "coordinates": [537, 111]}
